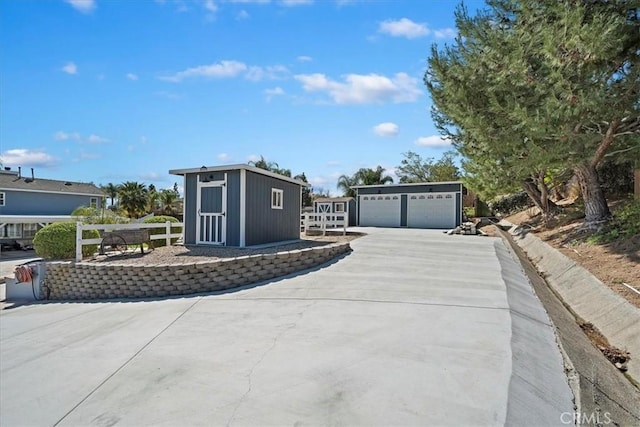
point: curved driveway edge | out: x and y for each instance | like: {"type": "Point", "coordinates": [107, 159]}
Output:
{"type": "Point", "coordinates": [587, 296]}
{"type": "Point", "coordinates": [413, 328]}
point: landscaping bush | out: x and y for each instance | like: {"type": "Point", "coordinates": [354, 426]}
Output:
{"type": "Point", "coordinates": [510, 204]}
{"type": "Point", "coordinates": [161, 219]}
{"type": "Point", "coordinates": [624, 225]}
{"type": "Point", "coordinates": [58, 241]}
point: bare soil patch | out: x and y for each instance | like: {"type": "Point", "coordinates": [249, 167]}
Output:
{"type": "Point", "coordinates": [614, 263]}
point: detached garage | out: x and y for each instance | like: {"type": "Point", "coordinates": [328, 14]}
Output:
{"type": "Point", "coordinates": [421, 205]}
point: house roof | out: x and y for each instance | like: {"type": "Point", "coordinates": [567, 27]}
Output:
{"type": "Point", "coordinates": [406, 185]}
{"type": "Point", "coordinates": [334, 199]}
{"type": "Point", "coordinates": [13, 182]}
{"type": "Point", "coordinates": [238, 167]}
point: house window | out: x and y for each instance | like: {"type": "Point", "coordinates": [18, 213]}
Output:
{"type": "Point", "coordinates": [93, 202]}
{"type": "Point", "coordinates": [1, 198]}
{"type": "Point", "coordinates": [13, 231]}
{"type": "Point", "coordinates": [29, 230]}
{"type": "Point", "coordinates": [339, 207]}
{"type": "Point", "coordinates": [276, 198]}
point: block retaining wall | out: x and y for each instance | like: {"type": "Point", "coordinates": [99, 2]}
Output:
{"type": "Point", "coordinates": [89, 280]}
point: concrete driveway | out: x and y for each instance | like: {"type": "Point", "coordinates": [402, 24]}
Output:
{"type": "Point", "coordinates": [412, 328]}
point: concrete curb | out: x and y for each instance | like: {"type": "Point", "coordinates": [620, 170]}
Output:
{"type": "Point", "coordinates": [587, 296]}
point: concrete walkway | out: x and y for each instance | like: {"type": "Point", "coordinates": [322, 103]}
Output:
{"type": "Point", "coordinates": [412, 328]}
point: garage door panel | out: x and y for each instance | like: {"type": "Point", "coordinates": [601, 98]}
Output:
{"type": "Point", "coordinates": [380, 210]}
{"type": "Point", "coordinates": [431, 210]}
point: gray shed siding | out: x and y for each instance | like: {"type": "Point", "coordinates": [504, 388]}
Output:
{"type": "Point", "coordinates": [39, 203]}
{"type": "Point", "coordinates": [264, 224]}
{"type": "Point", "coordinates": [233, 205]}
{"type": "Point", "coordinates": [190, 208]}
{"type": "Point", "coordinates": [233, 208]}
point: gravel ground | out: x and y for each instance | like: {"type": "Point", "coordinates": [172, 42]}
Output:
{"type": "Point", "coordinates": [190, 254]}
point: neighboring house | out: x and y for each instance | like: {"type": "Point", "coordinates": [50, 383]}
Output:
{"type": "Point", "coordinates": [28, 203]}
{"type": "Point", "coordinates": [421, 205]}
{"type": "Point", "coordinates": [239, 205]}
{"type": "Point", "coordinates": [339, 207]}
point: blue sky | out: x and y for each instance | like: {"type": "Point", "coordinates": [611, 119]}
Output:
{"type": "Point", "coordinates": [113, 91]}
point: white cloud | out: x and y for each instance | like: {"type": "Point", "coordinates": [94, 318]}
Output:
{"type": "Point", "coordinates": [64, 136]}
{"type": "Point", "coordinates": [445, 33]}
{"type": "Point", "coordinates": [26, 158]}
{"type": "Point", "coordinates": [318, 181]}
{"type": "Point", "coordinates": [295, 2]}
{"type": "Point", "coordinates": [70, 68]}
{"type": "Point", "coordinates": [132, 76]}
{"type": "Point", "coordinates": [210, 6]}
{"type": "Point", "coordinates": [95, 139]}
{"type": "Point", "coordinates": [84, 6]}
{"type": "Point", "coordinates": [304, 58]}
{"type": "Point", "coordinates": [223, 69]}
{"type": "Point", "coordinates": [89, 156]}
{"type": "Point", "coordinates": [386, 129]}
{"type": "Point", "coordinates": [433, 141]}
{"type": "Point", "coordinates": [75, 136]}
{"type": "Point", "coordinates": [144, 139]}
{"type": "Point", "coordinates": [242, 15]}
{"type": "Point", "coordinates": [364, 89]}
{"type": "Point", "coordinates": [276, 91]}
{"type": "Point", "coordinates": [403, 28]}
{"type": "Point", "coordinates": [271, 72]}
{"type": "Point", "coordinates": [224, 157]}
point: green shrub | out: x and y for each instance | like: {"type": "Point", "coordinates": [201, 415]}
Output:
{"type": "Point", "coordinates": [161, 219]}
{"type": "Point", "coordinates": [58, 241]}
{"type": "Point", "coordinates": [625, 224]}
{"type": "Point", "coordinates": [511, 204]}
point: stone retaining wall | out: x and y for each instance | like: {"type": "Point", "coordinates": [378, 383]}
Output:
{"type": "Point", "coordinates": [90, 280]}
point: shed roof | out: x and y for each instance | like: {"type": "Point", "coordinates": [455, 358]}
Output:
{"type": "Point", "coordinates": [238, 167]}
{"type": "Point", "coordinates": [13, 182]}
{"type": "Point", "coordinates": [406, 185]}
{"type": "Point", "coordinates": [333, 199]}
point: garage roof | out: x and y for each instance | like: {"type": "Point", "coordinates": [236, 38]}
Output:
{"type": "Point", "coordinates": [407, 185]}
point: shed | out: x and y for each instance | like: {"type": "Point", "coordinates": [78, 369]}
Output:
{"type": "Point", "coordinates": [342, 207]}
{"type": "Point", "coordinates": [239, 205]}
{"type": "Point", "coordinates": [416, 205]}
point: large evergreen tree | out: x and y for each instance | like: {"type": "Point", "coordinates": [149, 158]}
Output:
{"type": "Point", "coordinates": [530, 87]}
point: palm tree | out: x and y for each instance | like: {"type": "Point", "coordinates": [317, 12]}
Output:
{"type": "Point", "coordinates": [168, 199]}
{"type": "Point", "coordinates": [368, 176]}
{"type": "Point", "coordinates": [133, 198]}
{"type": "Point", "coordinates": [111, 191]}
{"type": "Point", "coordinates": [345, 182]}
{"type": "Point", "coordinates": [270, 166]}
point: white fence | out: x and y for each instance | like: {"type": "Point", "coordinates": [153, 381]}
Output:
{"type": "Point", "coordinates": [80, 227]}
{"type": "Point", "coordinates": [324, 221]}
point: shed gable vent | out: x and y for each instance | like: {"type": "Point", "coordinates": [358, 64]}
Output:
{"type": "Point", "coordinates": [365, 198]}
{"type": "Point", "coordinates": [395, 197]}
{"type": "Point", "coordinates": [387, 198]}
{"type": "Point", "coordinates": [379, 197]}
{"type": "Point", "coordinates": [438, 197]}
{"type": "Point", "coordinates": [421, 197]}
{"type": "Point", "coordinates": [449, 196]}
{"type": "Point", "coordinates": [429, 197]}
{"type": "Point", "coordinates": [413, 197]}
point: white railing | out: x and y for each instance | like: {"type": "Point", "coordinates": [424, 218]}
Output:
{"type": "Point", "coordinates": [211, 228]}
{"type": "Point", "coordinates": [80, 227]}
{"type": "Point", "coordinates": [324, 221]}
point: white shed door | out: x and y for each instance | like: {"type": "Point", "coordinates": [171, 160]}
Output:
{"type": "Point", "coordinates": [381, 210]}
{"type": "Point", "coordinates": [431, 210]}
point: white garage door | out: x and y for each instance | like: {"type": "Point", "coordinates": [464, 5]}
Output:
{"type": "Point", "coordinates": [431, 210]}
{"type": "Point", "coordinates": [380, 210]}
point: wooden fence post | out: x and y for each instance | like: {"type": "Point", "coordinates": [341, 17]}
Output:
{"type": "Point", "coordinates": [78, 241]}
